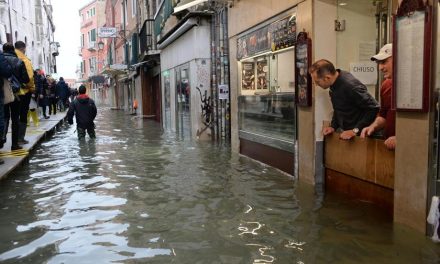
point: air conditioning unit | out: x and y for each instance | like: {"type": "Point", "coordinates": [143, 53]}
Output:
{"type": "Point", "coordinates": [92, 46]}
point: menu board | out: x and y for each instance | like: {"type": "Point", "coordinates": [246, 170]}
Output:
{"type": "Point", "coordinates": [248, 76]}
{"type": "Point", "coordinates": [283, 33]}
{"type": "Point", "coordinates": [410, 79]}
{"type": "Point", "coordinates": [262, 74]}
{"type": "Point", "coordinates": [278, 35]}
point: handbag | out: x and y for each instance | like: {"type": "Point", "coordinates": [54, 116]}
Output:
{"type": "Point", "coordinates": [33, 104]}
{"type": "Point", "coordinates": [7, 91]}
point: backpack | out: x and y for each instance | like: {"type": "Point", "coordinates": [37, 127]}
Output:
{"type": "Point", "coordinates": [15, 84]}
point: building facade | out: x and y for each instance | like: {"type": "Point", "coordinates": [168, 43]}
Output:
{"type": "Point", "coordinates": [347, 33]}
{"type": "Point", "coordinates": [92, 17]}
{"type": "Point", "coordinates": [31, 21]}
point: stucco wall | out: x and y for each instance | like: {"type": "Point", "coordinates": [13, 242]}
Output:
{"type": "Point", "coordinates": [411, 174]}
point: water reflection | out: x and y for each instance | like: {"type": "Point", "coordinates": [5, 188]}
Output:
{"type": "Point", "coordinates": [138, 194]}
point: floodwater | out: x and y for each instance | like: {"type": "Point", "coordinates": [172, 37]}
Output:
{"type": "Point", "coordinates": [140, 195]}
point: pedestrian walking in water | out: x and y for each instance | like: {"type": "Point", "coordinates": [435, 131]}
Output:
{"type": "Point", "coordinates": [84, 110]}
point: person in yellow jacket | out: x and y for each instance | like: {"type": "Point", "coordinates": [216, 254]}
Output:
{"type": "Point", "coordinates": [26, 91]}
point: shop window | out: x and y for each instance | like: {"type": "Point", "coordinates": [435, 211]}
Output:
{"type": "Point", "coordinates": [266, 103]}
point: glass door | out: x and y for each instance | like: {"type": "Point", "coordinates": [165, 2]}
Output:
{"type": "Point", "coordinates": [183, 106]}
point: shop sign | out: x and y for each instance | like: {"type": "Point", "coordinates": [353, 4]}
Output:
{"type": "Point", "coordinates": [253, 43]}
{"type": "Point", "coordinates": [283, 33]}
{"type": "Point", "coordinates": [107, 32]}
{"type": "Point", "coordinates": [278, 35]}
{"type": "Point", "coordinates": [365, 72]}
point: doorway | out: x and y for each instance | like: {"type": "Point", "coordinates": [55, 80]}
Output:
{"type": "Point", "coordinates": [183, 105]}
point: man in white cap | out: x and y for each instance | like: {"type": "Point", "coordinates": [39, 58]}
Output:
{"type": "Point", "coordinates": [386, 118]}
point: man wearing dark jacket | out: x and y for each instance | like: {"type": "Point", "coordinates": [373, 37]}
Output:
{"type": "Point", "coordinates": [12, 110]}
{"type": "Point", "coordinates": [353, 107]}
{"type": "Point", "coordinates": [85, 111]}
{"type": "Point", "coordinates": [63, 93]}
{"type": "Point", "coordinates": [5, 72]}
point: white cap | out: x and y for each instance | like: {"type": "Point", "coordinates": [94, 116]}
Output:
{"type": "Point", "coordinates": [384, 53]}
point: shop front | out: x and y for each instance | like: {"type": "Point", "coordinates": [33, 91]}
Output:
{"type": "Point", "coordinates": [266, 100]}
{"type": "Point", "coordinates": [185, 76]}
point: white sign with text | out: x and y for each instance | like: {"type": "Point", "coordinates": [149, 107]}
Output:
{"type": "Point", "coordinates": [107, 32]}
{"type": "Point", "coordinates": [365, 72]}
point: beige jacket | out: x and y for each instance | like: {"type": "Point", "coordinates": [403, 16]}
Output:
{"type": "Point", "coordinates": [30, 86]}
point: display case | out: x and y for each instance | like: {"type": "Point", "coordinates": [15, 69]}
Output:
{"type": "Point", "coordinates": [271, 115]}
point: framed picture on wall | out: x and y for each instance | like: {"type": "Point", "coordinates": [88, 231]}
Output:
{"type": "Point", "coordinates": [411, 58]}
{"type": "Point", "coordinates": [303, 80]}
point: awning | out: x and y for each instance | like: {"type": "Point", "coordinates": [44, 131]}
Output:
{"type": "Point", "coordinates": [115, 69]}
{"type": "Point", "coordinates": [185, 4]}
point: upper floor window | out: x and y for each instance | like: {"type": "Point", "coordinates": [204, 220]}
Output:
{"type": "Point", "coordinates": [92, 35]}
{"type": "Point", "coordinates": [133, 8]}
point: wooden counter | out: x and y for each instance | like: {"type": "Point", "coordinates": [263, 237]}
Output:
{"type": "Point", "coordinates": [360, 168]}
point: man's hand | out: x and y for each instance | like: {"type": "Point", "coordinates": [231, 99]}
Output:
{"type": "Point", "coordinates": [367, 131]}
{"type": "Point", "coordinates": [390, 143]}
{"type": "Point", "coordinates": [327, 130]}
{"type": "Point", "coordinates": [347, 135]}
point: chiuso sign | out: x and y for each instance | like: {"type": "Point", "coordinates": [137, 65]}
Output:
{"type": "Point", "coordinates": [365, 72]}
{"type": "Point", "coordinates": [107, 32]}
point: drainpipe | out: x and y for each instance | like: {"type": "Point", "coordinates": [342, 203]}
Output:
{"type": "Point", "coordinates": [10, 23]}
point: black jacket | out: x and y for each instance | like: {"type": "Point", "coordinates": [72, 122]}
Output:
{"type": "Point", "coordinates": [5, 69]}
{"type": "Point", "coordinates": [62, 90]}
{"type": "Point", "coordinates": [18, 67]}
{"type": "Point", "coordinates": [84, 109]}
{"type": "Point", "coordinates": [353, 106]}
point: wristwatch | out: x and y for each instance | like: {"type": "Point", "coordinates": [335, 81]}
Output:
{"type": "Point", "coordinates": [356, 131]}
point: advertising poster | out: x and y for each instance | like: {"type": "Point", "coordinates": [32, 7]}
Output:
{"type": "Point", "coordinates": [262, 72]}
{"type": "Point", "coordinates": [248, 76]}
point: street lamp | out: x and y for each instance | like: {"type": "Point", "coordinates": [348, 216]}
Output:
{"type": "Point", "coordinates": [100, 45]}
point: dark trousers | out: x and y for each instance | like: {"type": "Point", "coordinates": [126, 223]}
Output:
{"type": "Point", "coordinates": [53, 105]}
{"type": "Point", "coordinates": [24, 107]}
{"type": "Point", "coordinates": [12, 112]}
{"type": "Point", "coordinates": [82, 132]}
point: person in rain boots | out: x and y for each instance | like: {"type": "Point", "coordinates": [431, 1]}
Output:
{"type": "Point", "coordinates": [84, 109]}
{"type": "Point", "coordinates": [12, 110]}
{"type": "Point", "coordinates": [32, 113]}
{"type": "Point", "coordinates": [25, 93]}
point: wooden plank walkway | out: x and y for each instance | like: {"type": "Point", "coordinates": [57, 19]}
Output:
{"type": "Point", "coordinates": [34, 135]}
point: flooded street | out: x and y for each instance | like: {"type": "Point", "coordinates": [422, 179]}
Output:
{"type": "Point", "coordinates": [138, 194]}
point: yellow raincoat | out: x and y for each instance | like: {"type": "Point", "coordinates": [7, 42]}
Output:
{"type": "Point", "coordinates": [30, 86]}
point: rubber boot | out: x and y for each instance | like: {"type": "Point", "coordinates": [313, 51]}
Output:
{"type": "Point", "coordinates": [21, 133]}
{"type": "Point", "coordinates": [33, 113]}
